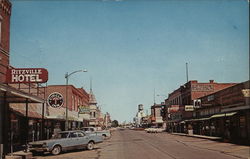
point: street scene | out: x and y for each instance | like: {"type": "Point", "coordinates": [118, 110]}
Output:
{"type": "Point", "coordinates": [123, 79]}
{"type": "Point", "coordinates": [131, 144]}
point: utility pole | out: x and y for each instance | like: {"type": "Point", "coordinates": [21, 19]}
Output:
{"type": "Point", "coordinates": [154, 96]}
{"type": "Point", "coordinates": [187, 71]}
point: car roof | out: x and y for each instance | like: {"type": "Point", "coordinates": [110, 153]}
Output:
{"type": "Point", "coordinates": [70, 131]}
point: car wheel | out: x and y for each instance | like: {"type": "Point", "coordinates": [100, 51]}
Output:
{"type": "Point", "coordinates": [104, 136]}
{"type": "Point", "coordinates": [90, 145]}
{"type": "Point", "coordinates": [56, 150]}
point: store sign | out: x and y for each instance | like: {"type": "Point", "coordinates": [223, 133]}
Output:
{"type": "Point", "coordinates": [84, 109]}
{"type": "Point", "coordinates": [246, 92]}
{"type": "Point", "coordinates": [27, 75]}
{"type": "Point", "coordinates": [173, 108]}
{"type": "Point", "coordinates": [55, 100]}
{"type": "Point", "coordinates": [189, 108]}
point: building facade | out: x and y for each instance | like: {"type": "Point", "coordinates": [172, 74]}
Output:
{"type": "Point", "coordinates": [225, 114]}
{"type": "Point", "coordinates": [156, 119]}
{"type": "Point", "coordinates": [184, 97]}
{"type": "Point", "coordinates": [20, 120]}
{"type": "Point", "coordinates": [57, 101]}
{"type": "Point", "coordinates": [5, 13]}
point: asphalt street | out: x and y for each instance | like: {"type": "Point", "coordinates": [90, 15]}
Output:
{"type": "Point", "coordinates": [130, 144]}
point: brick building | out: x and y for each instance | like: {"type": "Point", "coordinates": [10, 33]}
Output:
{"type": "Point", "coordinates": [56, 110]}
{"type": "Point", "coordinates": [156, 115]}
{"type": "Point", "coordinates": [5, 13]}
{"type": "Point", "coordinates": [185, 96]}
{"type": "Point", "coordinates": [225, 114]}
{"type": "Point", "coordinates": [13, 120]}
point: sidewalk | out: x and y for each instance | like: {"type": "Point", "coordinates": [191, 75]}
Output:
{"type": "Point", "coordinates": [239, 151]}
{"type": "Point", "coordinates": [198, 136]}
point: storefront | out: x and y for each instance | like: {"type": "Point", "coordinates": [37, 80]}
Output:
{"type": "Point", "coordinates": [18, 128]}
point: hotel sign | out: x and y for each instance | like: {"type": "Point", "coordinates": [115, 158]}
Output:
{"type": "Point", "coordinates": [27, 75]}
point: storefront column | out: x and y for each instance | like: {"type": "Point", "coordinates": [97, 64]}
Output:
{"type": "Point", "coordinates": [5, 125]}
{"type": "Point", "coordinates": [2, 117]}
{"type": "Point", "coordinates": [27, 122]}
{"type": "Point", "coordinates": [42, 126]}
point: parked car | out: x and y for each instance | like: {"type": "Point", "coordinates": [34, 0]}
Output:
{"type": "Point", "coordinates": [92, 131]}
{"type": "Point", "coordinates": [65, 140]}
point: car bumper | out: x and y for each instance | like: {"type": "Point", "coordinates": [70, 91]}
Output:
{"type": "Point", "coordinates": [42, 149]}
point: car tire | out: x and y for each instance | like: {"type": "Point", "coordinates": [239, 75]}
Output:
{"type": "Point", "coordinates": [90, 145]}
{"type": "Point", "coordinates": [104, 136]}
{"type": "Point", "coordinates": [56, 150]}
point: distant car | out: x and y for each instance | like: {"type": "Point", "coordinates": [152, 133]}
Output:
{"type": "Point", "coordinates": [65, 140]}
{"type": "Point", "coordinates": [154, 130]}
{"type": "Point", "coordinates": [92, 131]}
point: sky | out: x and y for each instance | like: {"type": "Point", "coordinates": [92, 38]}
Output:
{"type": "Point", "coordinates": [132, 47]}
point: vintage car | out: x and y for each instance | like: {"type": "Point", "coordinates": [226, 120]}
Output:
{"type": "Point", "coordinates": [154, 130]}
{"type": "Point", "coordinates": [65, 140]}
{"type": "Point", "coordinates": [92, 131]}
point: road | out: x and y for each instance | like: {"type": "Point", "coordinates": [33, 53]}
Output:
{"type": "Point", "coordinates": [130, 144]}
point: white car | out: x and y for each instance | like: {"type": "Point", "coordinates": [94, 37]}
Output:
{"type": "Point", "coordinates": [154, 130]}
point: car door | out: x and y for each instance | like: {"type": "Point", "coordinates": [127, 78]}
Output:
{"type": "Point", "coordinates": [73, 140]}
{"type": "Point", "coordinates": [83, 139]}
{"type": "Point", "coordinates": [62, 139]}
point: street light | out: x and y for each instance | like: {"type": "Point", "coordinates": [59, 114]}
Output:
{"type": "Point", "coordinates": [67, 75]}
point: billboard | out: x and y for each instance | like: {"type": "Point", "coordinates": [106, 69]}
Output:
{"type": "Point", "coordinates": [27, 75]}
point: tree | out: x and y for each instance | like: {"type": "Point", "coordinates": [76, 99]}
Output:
{"type": "Point", "coordinates": [114, 123]}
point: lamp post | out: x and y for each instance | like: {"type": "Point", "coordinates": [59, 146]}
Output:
{"type": "Point", "coordinates": [67, 75]}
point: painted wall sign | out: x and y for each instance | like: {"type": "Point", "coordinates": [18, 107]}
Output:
{"type": "Point", "coordinates": [27, 75]}
{"type": "Point", "coordinates": [202, 88]}
{"type": "Point", "coordinates": [84, 109]}
{"type": "Point", "coordinates": [55, 100]}
{"type": "Point", "coordinates": [173, 108]}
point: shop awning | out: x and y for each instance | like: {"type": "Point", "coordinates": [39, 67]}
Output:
{"type": "Point", "coordinates": [55, 117]}
{"type": "Point", "coordinates": [200, 119]}
{"type": "Point", "coordinates": [223, 115]}
{"type": "Point", "coordinates": [17, 96]}
{"type": "Point", "coordinates": [31, 114]}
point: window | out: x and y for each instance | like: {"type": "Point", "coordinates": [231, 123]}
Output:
{"type": "Point", "coordinates": [80, 134]}
{"type": "Point", "coordinates": [73, 134]}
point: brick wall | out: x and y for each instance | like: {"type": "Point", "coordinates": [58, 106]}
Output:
{"type": "Point", "coordinates": [76, 96]}
{"type": "Point", "coordinates": [5, 12]}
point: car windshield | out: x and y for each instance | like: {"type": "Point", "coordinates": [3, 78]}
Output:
{"type": "Point", "coordinates": [60, 135]}
{"type": "Point", "coordinates": [85, 129]}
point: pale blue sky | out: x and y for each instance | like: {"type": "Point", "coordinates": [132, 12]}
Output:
{"type": "Point", "coordinates": [132, 47]}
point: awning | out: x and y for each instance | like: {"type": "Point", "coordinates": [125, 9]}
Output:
{"type": "Point", "coordinates": [223, 115]}
{"type": "Point", "coordinates": [55, 117]}
{"type": "Point", "coordinates": [200, 119]}
{"type": "Point", "coordinates": [17, 96]}
{"type": "Point", "coordinates": [31, 114]}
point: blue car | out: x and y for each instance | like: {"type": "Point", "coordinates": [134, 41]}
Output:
{"type": "Point", "coordinates": [65, 140]}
